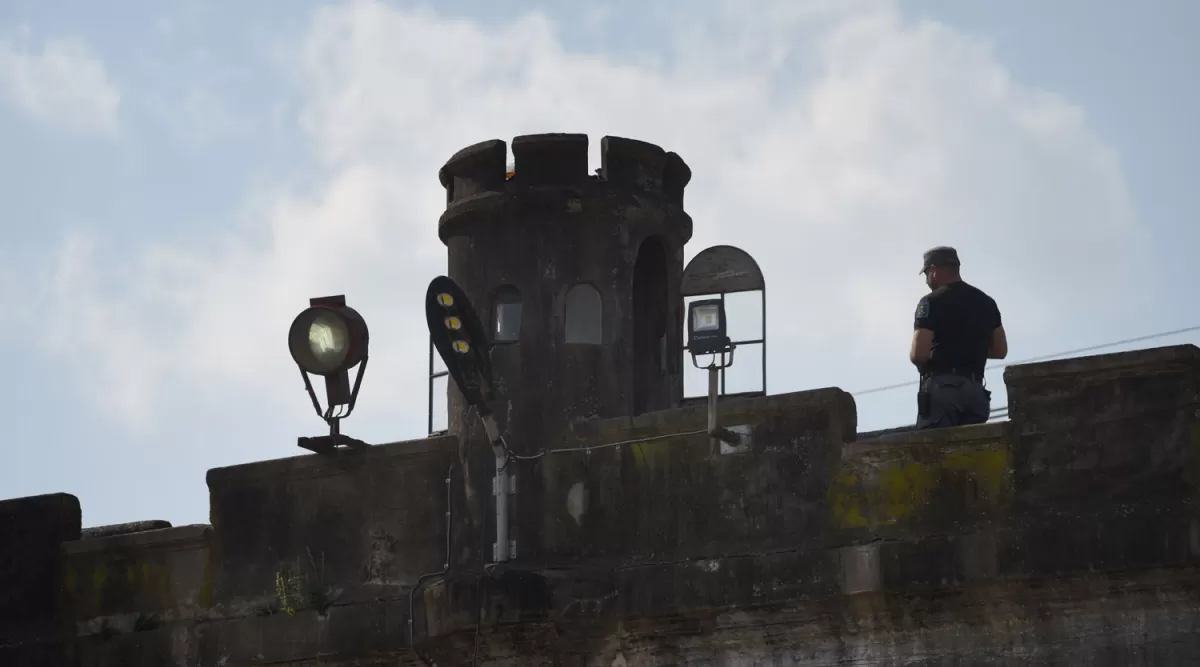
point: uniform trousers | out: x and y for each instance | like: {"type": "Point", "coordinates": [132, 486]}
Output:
{"type": "Point", "coordinates": [947, 399]}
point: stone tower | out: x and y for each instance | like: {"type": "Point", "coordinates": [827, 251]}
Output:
{"type": "Point", "coordinates": [575, 275]}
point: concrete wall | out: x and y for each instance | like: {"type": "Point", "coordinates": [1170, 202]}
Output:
{"type": "Point", "coordinates": [1068, 535]}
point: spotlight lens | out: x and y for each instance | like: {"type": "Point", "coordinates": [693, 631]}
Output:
{"type": "Point", "coordinates": [461, 346]}
{"type": "Point", "coordinates": [453, 323]}
{"type": "Point", "coordinates": [327, 340]}
{"type": "Point", "coordinates": [445, 300]}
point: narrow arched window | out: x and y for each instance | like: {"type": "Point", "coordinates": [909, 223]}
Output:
{"type": "Point", "coordinates": [650, 311]}
{"type": "Point", "coordinates": [584, 315]}
{"type": "Point", "coordinates": [506, 315]}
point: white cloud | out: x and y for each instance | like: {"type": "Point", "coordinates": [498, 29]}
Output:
{"type": "Point", "coordinates": [889, 137]}
{"type": "Point", "coordinates": [63, 83]}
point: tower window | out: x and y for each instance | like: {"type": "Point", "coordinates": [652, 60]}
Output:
{"type": "Point", "coordinates": [584, 315]}
{"type": "Point", "coordinates": [506, 315]}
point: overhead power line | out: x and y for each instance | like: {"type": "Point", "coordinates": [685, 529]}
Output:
{"type": "Point", "coordinates": [1046, 357]}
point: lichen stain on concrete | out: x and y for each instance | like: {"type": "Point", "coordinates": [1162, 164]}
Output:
{"type": "Point", "coordinates": [647, 456]}
{"type": "Point", "coordinates": [902, 489]}
{"type": "Point", "coordinates": [991, 468]}
{"type": "Point", "coordinates": [844, 501]}
{"type": "Point", "coordinates": [99, 578]}
{"type": "Point", "coordinates": [577, 502]}
{"type": "Point", "coordinates": [889, 491]}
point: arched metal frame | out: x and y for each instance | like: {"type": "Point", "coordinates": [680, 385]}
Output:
{"type": "Point", "coordinates": [721, 270]}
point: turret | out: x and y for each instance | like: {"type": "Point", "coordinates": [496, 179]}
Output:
{"type": "Point", "coordinates": [576, 276]}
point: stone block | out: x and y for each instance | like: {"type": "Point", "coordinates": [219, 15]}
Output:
{"type": "Point", "coordinates": [656, 487]}
{"type": "Point", "coordinates": [1115, 431]}
{"type": "Point", "coordinates": [354, 525]}
{"type": "Point", "coordinates": [32, 532]}
{"type": "Point", "coordinates": [550, 159]}
{"type": "Point", "coordinates": [129, 581]}
{"type": "Point", "coordinates": [918, 483]}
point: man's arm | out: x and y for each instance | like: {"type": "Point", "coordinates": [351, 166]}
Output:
{"type": "Point", "coordinates": [922, 347]}
{"type": "Point", "coordinates": [999, 347]}
{"type": "Point", "coordinates": [922, 341]}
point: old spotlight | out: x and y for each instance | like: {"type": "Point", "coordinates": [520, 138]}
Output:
{"type": "Point", "coordinates": [328, 339]}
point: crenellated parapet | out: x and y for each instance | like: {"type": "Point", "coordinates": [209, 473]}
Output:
{"type": "Point", "coordinates": [549, 164]}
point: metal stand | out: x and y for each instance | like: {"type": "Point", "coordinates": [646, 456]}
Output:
{"type": "Point", "coordinates": [714, 375]}
{"type": "Point", "coordinates": [715, 430]}
{"type": "Point", "coordinates": [503, 485]}
{"type": "Point", "coordinates": [335, 390]}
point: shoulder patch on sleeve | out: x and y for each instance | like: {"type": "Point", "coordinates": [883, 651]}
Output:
{"type": "Point", "coordinates": [922, 308]}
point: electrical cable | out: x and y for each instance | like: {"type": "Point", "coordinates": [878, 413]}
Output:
{"type": "Point", "coordinates": [634, 441]}
{"type": "Point", "coordinates": [996, 412]}
{"type": "Point", "coordinates": [588, 448]}
{"type": "Point", "coordinates": [1090, 348]}
{"type": "Point", "coordinates": [412, 593]}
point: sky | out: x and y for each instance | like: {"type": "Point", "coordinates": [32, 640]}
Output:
{"type": "Point", "coordinates": [178, 179]}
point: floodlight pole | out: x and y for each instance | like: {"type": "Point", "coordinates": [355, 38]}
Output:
{"type": "Point", "coordinates": [718, 433]}
{"type": "Point", "coordinates": [714, 374]}
{"type": "Point", "coordinates": [501, 488]}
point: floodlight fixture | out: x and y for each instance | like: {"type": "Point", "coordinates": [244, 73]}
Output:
{"type": "Point", "coordinates": [707, 331]}
{"type": "Point", "coordinates": [328, 339]}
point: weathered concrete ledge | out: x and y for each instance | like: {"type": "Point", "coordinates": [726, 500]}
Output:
{"type": "Point", "coordinates": [120, 581]}
{"type": "Point", "coordinates": [123, 528]}
{"type": "Point", "coordinates": [339, 462]}
{"type": "Point", "coordinates": [834, 404]}
{"type": "Point", "coordinates": [171, 536]}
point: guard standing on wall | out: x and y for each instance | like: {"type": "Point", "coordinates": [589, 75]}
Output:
{"type": "Point", "coordinates": [956, 330]}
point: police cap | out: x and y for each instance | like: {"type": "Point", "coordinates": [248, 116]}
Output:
{"type": "Point", "coordinates": [939, 256]}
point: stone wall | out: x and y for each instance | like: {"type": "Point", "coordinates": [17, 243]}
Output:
{"type": "Point", "coordinates": [1068, 535]}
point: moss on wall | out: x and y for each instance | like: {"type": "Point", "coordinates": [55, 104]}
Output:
{"type": "Point", "coordinates": [902, 484]}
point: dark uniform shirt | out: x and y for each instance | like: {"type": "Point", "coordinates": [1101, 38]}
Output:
{"type": "Point", "coordinates": [962, 319]}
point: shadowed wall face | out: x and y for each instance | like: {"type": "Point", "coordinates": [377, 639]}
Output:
{"type": "Point", "coordinates": [33, 614]}
{"type": "Point", "coordinates": [654, 352]}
